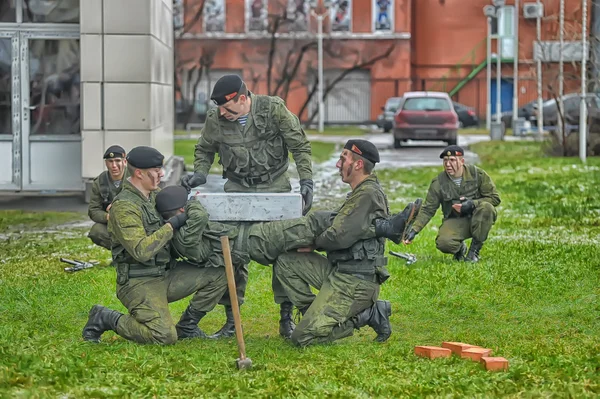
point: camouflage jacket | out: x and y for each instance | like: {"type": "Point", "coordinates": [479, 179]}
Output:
{"type": "Point", "coordinates": [476, 185]}
{"type": "Point", "coordinates": [258, 149]}
{"type": "Point", "coordinates": [103, 193]}
{"type": "Point", "coordinates": [354, 219]}
{"type": "Point", "coordinates": [139, 235]}
{"type": "Point", "coordinates": [198, 241]}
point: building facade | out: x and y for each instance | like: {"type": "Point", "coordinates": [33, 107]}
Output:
{"type": "Point", "coordinates": [273, 45]}
{"type": "Point", "coordinates": [76, 77]}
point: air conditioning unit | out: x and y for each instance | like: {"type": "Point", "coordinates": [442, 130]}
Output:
{"type": "Point", "coordinates": [533, 10]}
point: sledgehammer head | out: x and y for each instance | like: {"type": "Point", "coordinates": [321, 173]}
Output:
{"type": "Point", "coordinates": [243, 364]}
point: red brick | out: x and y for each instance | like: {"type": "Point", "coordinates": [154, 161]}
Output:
{"type": "Point", "coordinates": [432, 351]}
{"type": "Point", "coordinates": [458, 347]}
{"type": "Point", "coordinates": [475, 353]}
{"type": "Point", "coordinates": [494, 363]}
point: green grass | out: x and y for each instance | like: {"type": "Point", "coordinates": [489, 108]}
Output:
{"type": "Point", "coordinates": [534, 299]}
{"type": "Point", "coordinates": [17, 219]}
{"type": "Point", "coordinates": [185, 148]}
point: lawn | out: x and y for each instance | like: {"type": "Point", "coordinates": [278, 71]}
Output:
{"type": "Point", "coordinates": [534, 299]}
{"type": "Point", "coordinates": [327, 131]}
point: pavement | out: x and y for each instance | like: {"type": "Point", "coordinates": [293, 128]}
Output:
{"type": "Point", "coordinates": [414, 154]}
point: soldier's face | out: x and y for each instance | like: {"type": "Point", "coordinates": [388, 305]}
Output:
{"type": "Point", "coordinates": [151, 178]}
{"type": "Point", "coordinates": [232, 110]}
{"type": "Point", "coordinates": [115, 167]}
{"type": "Point", "coordinates": [346, 165]}
{"type": "Point", "coordinates": [454, 166]}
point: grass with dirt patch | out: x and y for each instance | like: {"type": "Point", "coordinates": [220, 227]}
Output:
{"type": "Point", "coordinates": [533, 298]}
{"type": "Point", "coordinates": [185, 148]}
{"type": "Point", "coordinates": [18, 219]}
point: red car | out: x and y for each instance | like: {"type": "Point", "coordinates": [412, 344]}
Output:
{"type": "Point", "coordinates": [425, 115]}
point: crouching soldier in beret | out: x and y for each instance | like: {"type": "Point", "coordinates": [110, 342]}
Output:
{"type": "Point", "coordinates": [197, 242]}
{"type": "Point", "coordinates": [349, 278]}
{"type": "Point", "coordinates": [468, 198]}
{"type": "Point", "coordinates": [148, 279]}
{"type": "Point", "coordinates": [104, 190]}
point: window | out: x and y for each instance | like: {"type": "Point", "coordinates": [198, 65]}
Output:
{"type": "Point", "coordinates": [506, 30]}
{"type": "Point", "coordinates": [298, 13]}
{"type": "Point", "coordinates": [57, 11]}
{"type": "Point", "coordinates": [178, 20]}
{"type": "Point", "coordinates": [340, 14]}
{"type": "Point", "coordinates": [426, 104]}
{"type": "Point", "coordinates": [256, 15]}
{"type": "Point", "coordinates": [214, 16]}
{"type": "Point", "coordinates": [383, 15]}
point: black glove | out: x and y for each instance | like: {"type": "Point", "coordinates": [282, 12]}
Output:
{"type": "Point", "coordinates": [411, 235]}
{"type": "Point", "coordinates": [178, 220]}
{"type": "Point", "coordinates": [467, 207]}
{"type": "Point", "coordinates": [306, 190]}
{"type": "Point", "coordinates": [191, 181]}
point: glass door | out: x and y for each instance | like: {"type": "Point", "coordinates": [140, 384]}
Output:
{"type": "Point", "coordinates": [50, 111]}
{"type": "Point", "coordinates": [10, 139]}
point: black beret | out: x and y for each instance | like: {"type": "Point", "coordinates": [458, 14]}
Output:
{"type": "Point", "coordinates": [143, 157]}
{"type": "Point", "coordinates": [114, 151]}
{"type": "Point", "coordinates": [226, 88]}
{"type": "Point", "coordinates": [452, 150]}
{"type": "Point", "coordinates": [364, 148]}
{"type": "Point", "coordinates": [170, 198]}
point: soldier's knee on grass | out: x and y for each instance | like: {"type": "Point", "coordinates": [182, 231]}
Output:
{"type": "Point", "coordinates": [447, 245]}
{"type": "Point", "coordinates": [167, 336]}
{"type": "Point", "coordinates": [485, 208]}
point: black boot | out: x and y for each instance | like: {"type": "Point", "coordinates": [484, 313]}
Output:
{"type": "Point", "coordinates": [100, 319]}
{"type": "Point", "coordinates": [228, 329]}
{"type": "Point", "coordinates": [286, 322]}
{"type": "Point", "coordinates": [395, 227]}
{"type": "Point", "coordinates": [460, 254]}
{"type": "Point", "coordinates": [187, 327]}
{"type": "Point", "coordinates": [473, 255]}
{"type": "Point", "coordinates": [378, 318]}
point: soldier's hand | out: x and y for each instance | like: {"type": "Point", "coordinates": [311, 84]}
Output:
{"type": "Point", "coordinates": [178, 221]}
{"type": "Point", "coordinates": [467, 207]}
{"type": "Point", "coordinates": [194, 180]}
{"type": "Point", "coordinates": [306, 190]}
{"type": "Point", "coordinates": [410, 237]}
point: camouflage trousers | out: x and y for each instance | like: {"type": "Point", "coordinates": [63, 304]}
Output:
{"type": "Point", "coordinates": [453, 231]}
{"type": "Point", "coordinates": [265, 242]}
{"type": "Point", "coordinates": [147, 300]}
{"type": "Point", "coordinates": [341, 297]}
{"type": "Point", "coordinates": [99, 235]}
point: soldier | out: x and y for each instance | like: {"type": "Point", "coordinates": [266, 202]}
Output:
{"type": "Point", "coordinates": [146, 277]}
{"type": "Point", "coordinates": [104, 189]}
{"type": "Point", "coordinates": [198, 240]}
{"type": "Point", "coordinates": [349, 278]}
{"type": "Point", "coordinates": [468, 198]}
{"type": "Point", "coordinates": [252, 135]}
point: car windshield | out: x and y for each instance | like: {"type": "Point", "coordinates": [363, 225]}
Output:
{"type": "Point", "coordinates": [392, 105]}
{"type": "Point", "coordinates": [426, 104]}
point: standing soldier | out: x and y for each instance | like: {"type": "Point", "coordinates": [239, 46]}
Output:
{"type": "Point", "coordinates": [252, 135]}
{"type": "Point", "coordinates": [146, 277]}
{"type": "Point", "coordinates": [468, 198]}
{"type": "Point", "coordinates": [349, 278]}
{"type": "Point", "coordinates": [104, 189]}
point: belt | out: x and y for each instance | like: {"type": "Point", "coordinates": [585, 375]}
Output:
{"type": "Point", "coordinates": [367, 277]}
{"type": "Point", "coordinates": [250, 181]}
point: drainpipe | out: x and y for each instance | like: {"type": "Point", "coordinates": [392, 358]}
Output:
{"type": "Point", "coordinates": [595, 44]}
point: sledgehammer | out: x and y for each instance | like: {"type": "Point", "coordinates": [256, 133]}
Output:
{"type": "Point", "coordinates": [243, 362]}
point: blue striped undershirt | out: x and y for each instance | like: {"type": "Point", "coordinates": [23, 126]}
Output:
{"type": "Point", "coordinates": [457, 180]}
{"type": "Point", "coordinates": [243, 119]}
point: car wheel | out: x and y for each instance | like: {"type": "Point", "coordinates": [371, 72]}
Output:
{"type": "Point", "coordinates": [397, 143]}
{"type": "Point", "coordinates": [386, 129]}
{"type": "Point", "coordinates": [460, 125]}
{"type": "Point", "coordinates": [452, 142]}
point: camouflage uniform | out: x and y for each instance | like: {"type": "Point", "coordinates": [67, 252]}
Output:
{"type": "Point", "coordinates": [255, 159]}
{"type": "Point", "coordinates": [476, 185]}
{"type": "Point", "coordinates": [104, 191]}
{"type": "Point", "coordinates": [198, 242]}
{"type": "Point", "coordinates": [147, 280]}
{"type": "Point", "coordinates": [348, 279]}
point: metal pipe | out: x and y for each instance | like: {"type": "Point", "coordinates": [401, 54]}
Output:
{"type": "Point", "coordinates": [516, 68]}
{"type": "Point", "coordinates": [540, 108]}
{"type": "Point", "coordinates": [583, 109]}
{"type": "Point", "coordinates": [561, 66]}
{"type": "Point", "coordinates": [320, 61]}
{"type": "Point", "coordinates": [488, 109]}
{"type": "Point", "coordinates": [498, 75]}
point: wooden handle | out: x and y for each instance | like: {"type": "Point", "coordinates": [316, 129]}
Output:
{"type": "Point", "coordinates": [233, 296]}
